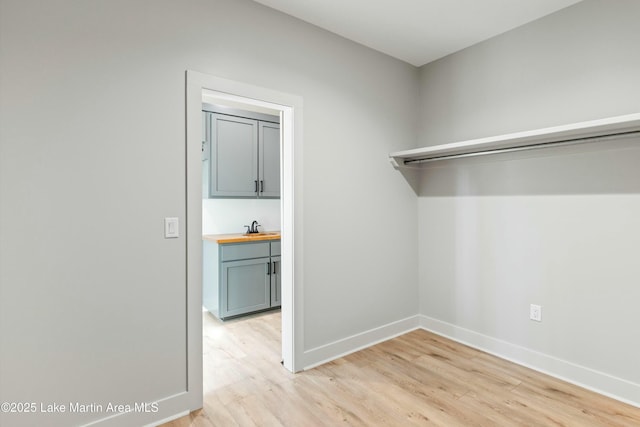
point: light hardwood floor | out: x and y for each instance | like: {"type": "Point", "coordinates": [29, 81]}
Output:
{"type": "Point", "coordinates": [416, 379]}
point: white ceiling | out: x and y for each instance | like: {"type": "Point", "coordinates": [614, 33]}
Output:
{"type": "Point", "coordinates": [418, 31]}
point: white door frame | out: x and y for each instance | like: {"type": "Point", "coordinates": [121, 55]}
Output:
{"type": "Point", "coordinates": [290, 108]}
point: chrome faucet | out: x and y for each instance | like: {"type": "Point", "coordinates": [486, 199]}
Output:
{"type": "Point", "coordinates": [253, 229]}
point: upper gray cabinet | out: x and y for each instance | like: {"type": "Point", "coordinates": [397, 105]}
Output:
{"type": "Point", "coordinates": [243, 158]}
{"type": "Point", "coordinates": [269, 159]}
{"type": "Point", "coordinates": [205, 137]}
{"type": "Point", "coordinates": [233, 157]}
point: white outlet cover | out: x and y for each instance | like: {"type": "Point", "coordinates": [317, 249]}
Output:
{"type": "Point", "coordinates": [535, 312]}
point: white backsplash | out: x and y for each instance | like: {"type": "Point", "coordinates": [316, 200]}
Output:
{"type": "Point", "coordinates": [221, 216]}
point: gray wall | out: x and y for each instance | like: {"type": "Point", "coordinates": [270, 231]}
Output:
{"type": "Point", "coordinates": [92, 159]}
{"type": "Point", "coordinates": [557, 228]}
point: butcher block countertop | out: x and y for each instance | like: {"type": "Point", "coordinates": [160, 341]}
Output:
{"type": "Point", "coordinates": [240, 238]}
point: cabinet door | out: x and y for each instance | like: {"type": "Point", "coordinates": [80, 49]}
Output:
{"type": "Point", "coordinates": [245, 286]}
{"type": "Point", "coordinates": [206, 137]}
{"type": "Point", "coordinates": [233, 157]}
{"type": "Point", "coordinates": [206, 149]}
{"type": "Point", "coordinates": [269, 157]}
{"type": "Point", "coordinates": [276, 283]}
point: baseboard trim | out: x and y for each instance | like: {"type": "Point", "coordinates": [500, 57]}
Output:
{"type": "Point", "coordinates": [168, 418]}
{"type": "Point", "coordinates": [590, 379]}
{"type": "Point", "coordinates": [168, 409]}
{"type": "Point", "coordinates": [337, 349]}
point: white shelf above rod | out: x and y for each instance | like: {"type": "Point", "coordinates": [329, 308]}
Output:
{"type": "Point", "coordinates": [571, 134]}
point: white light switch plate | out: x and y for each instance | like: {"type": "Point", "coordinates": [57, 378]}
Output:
{"type": "Point", "coordinates": [171, 228]}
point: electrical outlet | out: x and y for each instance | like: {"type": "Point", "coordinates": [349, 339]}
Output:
{"type": "Point", "coordinates": [535, 312]}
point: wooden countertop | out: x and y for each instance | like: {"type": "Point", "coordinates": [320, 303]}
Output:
{"type": "Point", "coordinates": [239, 237]}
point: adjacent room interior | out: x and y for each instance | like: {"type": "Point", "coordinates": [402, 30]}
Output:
{"type": "Point", "coordinates": [241, 228]}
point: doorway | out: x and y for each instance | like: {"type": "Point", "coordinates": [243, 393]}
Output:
{"type": "Point", "coordinates": [242, 322]}
{"type": "Point", "coordinates": [289, 107]}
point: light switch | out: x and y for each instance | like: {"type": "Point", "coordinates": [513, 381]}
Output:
{"type": "Point", "coordinates": [171, 228]}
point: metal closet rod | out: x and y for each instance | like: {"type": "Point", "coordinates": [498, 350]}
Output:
{"type": "Point", "coordinates": [560, 143]}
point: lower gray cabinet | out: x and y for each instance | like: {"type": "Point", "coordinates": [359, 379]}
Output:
{"type": "Point", "coordinates": [245, 287]}
{"type": "Point", "coordinates": [241, 278]}
{"type": "Point", "coordinates": [276, 284]}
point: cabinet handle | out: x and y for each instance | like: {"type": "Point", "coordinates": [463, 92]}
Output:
{"type": "Point", "coordinates": [274, 267]}
{"type": "Point", "coordinates": [262, 186]}
{"type": "Point", "coordinates": [256, 187]}
{"type": "Point", "coordinates": [268, 269]}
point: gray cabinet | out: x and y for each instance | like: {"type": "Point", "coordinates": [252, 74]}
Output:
{"type": "Point", "coordinates": [206, 137]}
{"type": "Point", "coordinates": [241, 278]}
{"type": "Point", "coordinates": [233, 158]}
{"type": "Point", "coordinates": [206, 149]}
{"type": "Point", "coordinates": [243, 156]}
{"type": "Point", "coordinates": [275, 283]}
{"type": "Point", "coordinates": [245, 287]}
{"type": "Point", "coordinates": [269, 159]}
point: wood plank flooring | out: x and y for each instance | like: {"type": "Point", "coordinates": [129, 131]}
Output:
{"type": "Point", "coordinates": [414, 380]}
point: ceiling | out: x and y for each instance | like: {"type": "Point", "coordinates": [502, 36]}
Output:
{"type": "Point", "coordinates": [418, 31]}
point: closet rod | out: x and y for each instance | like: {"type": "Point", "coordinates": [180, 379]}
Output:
{"type": "Point", "coordinates": [560, 143]}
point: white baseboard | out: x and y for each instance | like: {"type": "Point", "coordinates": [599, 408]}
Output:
{"type": "Point", "coordinates": [616, 388]}
{"type": "Point", "coordinates": [168, 409]}
{"type": "Point", "coordinates": [335, 350]}
{"type": "Point", "coordinates": [168, 418]}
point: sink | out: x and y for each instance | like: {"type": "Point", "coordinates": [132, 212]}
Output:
{"type": "Point", "coordinates": [261, 234]}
